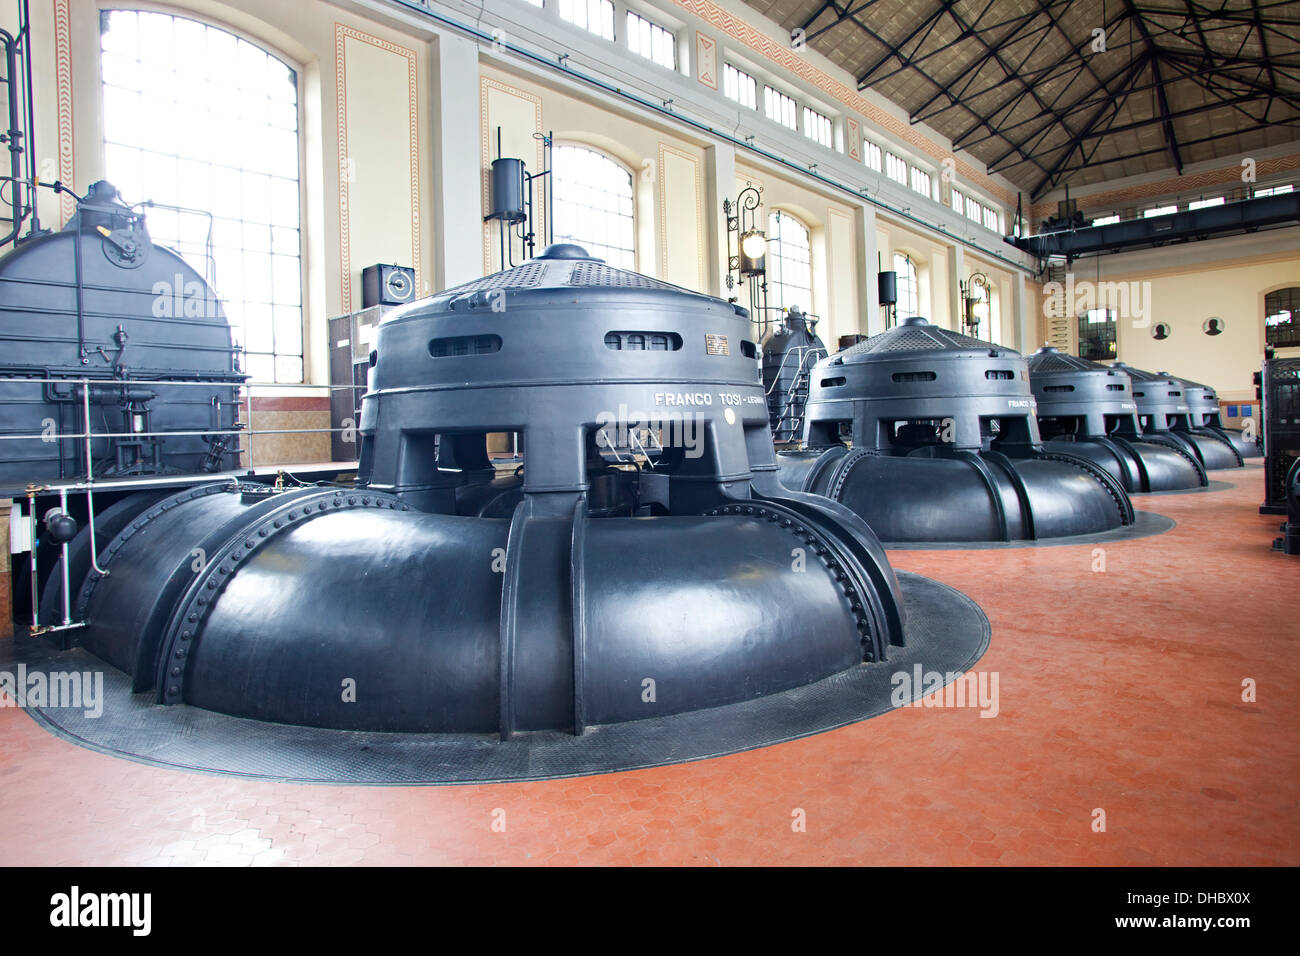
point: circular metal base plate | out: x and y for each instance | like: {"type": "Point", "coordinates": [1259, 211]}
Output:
{"type": "Point", "coordinates": [1145, 524]}
{"type": "Point", "coordinates": [1214, 485]}
{"type": "Point", "coordinates": [946, 633]}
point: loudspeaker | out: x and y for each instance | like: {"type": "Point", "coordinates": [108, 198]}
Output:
{"type": "Point", "coordinates": [387, 285]}
{"type": "Point", "coordinates": [887, 285]}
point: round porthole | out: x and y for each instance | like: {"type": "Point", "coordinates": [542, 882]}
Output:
{"type": "Point", "coordinates": [1212, 326]}
{"type": "Point", "coordinates": [1160, 331]}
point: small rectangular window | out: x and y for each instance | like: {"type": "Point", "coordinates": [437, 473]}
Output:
{"type": "Point", "coordinates": [1106, 220]}
{"type": "Point", "coordinates": [991, 219]}
{"type": "Point", "coordinates": [779, 107]}
{"type": "Point", "coordinates": [739, 86]}
{"type": "Point", "coordinates": [817, 127]}
{"type": "Point", "coordinates": [1274, 191]}
{"type": "Point", "coordinates": [973, 209]}
{"type": "Point", "coordinates": [958, 201]}
{"type": "Point", "coordinates": [1206, 203]}
{"type": "Point", "coordinates": [594, 15]}
{"type": "Point", "coordinates": [872, 155]}
{"type": "Point", "coordinates": [648, 39]}
{"type": "Point", "coordinates": [920, 181]}
{"type": "Point", "coordinates": [895, 168]}
{"type": "Point", "coordinates": [1158, 211]}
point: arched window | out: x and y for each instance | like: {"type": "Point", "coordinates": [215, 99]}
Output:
{"type": "Point", "coordinates": [199, 118]}
{"type": "Point", "coordinates": [1282, 317]}
{"type": "Point", "coordinates": [592, 204]}
{"type": "Point", "coordinates": [789, 262]}
{"type": "Point", "coordinates": [908, 302]}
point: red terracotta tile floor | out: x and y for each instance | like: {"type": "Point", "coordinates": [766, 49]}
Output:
{"type": "Point", "coordinates": [1119, 690]}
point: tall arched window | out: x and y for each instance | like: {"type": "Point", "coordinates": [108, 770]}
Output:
{"type": "Point", "coordinates": [789, 262]}
{"type": "Point", "coordinates": [1282, 317]}
{"type": "Point", "coordinates": [592, 204]}
{"type": "Point", "coordinates": [908, 301]}
{"type": "Point", "coordinates": [199, 118]}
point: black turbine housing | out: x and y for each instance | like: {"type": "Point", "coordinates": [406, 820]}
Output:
{"type": "Point", "coordinates": [789, 354]}
{"type": "Point", "coordinates": [454, 600]}
{"type": "Point", "coordinates": [1166, 416]}
{"type": "Point", "coordinates": [1204, 413]}
{"type": "Point", "coordinates": [100, 301]}
{"type": "Point", "coordinates": [1087, 409]}
{"type": "Point", "coordinates": [945, 445]}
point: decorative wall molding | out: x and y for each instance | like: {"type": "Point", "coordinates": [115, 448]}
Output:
{"type": "Point", "coordinates": [485, 137]}
{"type": "Point", "coordinates": [63, 81]}
{"type": "Point", "coordinates": [706, 60]}
{"type": "Point", "coordinates": [853, 135]}
{"type": "Point", "coordinates": [701, 256]}
{"type": "Point", "coordinates": [341, 35]}
{"type": "Point", "coordinates": [838, 218]}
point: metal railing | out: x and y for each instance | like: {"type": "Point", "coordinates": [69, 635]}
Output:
{"type": "Point", "coordinates": [809, 355]}
{"type": "Point", "coordinates": [89, 483]}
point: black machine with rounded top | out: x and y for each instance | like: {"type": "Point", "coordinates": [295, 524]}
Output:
{"type": "Point", "coordinates": [100, 319]}
{"type": "Point", "coordinates": [643, 561]}
{"type": "Point", "coordinates": [1088, 409]}
{"type": "Point", "coordinates": [1166, 417]}
{"type": "Point", "coordinates": [1205, 414]}
{"type": "Point", "coordinates": [930, 435]}
{"type": "Point", "coordinates": [789, 353]}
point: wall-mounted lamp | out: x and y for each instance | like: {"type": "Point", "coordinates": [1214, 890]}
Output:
{"type": "Point", "coordinates": [753, 253]}
{"type": "Point", "coordinates": [744, 237]}
{"type": "Point", "coordinates": [974, 292]}
{"type": "Point", "coordinates": [747, 251]}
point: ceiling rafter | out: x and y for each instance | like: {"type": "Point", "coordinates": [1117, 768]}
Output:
{"type": "Point", "coordinates": [1024, 87]}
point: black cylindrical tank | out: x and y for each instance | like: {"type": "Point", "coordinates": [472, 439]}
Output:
{"type": "Point", "coordinates": [455, 600]}
{"type": "Point", "coordinates": [508, 190]}
{"type": "Point", "coordinates": [944, 444]}
{"type": "Point", "coordinates": [100, 301]}
{"type": "Point", "coordinates": [1166, 416]}
{"type": "Point", "coordinates": [789, 353]}
{"type": "Point", "coordinates": [1086, 408]}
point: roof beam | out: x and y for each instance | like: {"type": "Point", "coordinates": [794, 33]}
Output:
{"type": "Point", "coordinates": [1155, 151]}
{"type": "Point", "coordinates": [1162, 95]}
{"type": "Point", "coordinates": [917, 59]}
{"type": "Point", "coordinates": [896, 50]}
{"type": "Point", "coordinates": [1076, 139]}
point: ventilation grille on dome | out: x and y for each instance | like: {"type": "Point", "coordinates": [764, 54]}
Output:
{"type": "Point", "coordinates": [1138, 375]}
{"type": "Point", "coordinates": [527, 276]}
{"type": "Point", "coordinates": [600, 275]}
{"type": "Point", "coordinates": [1058, 362]}
{"type": "Point", "coordinates": [916, 339]}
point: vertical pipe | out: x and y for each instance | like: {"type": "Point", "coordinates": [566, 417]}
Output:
{"type": "Point", "coordinates": [250, 427]}
{"type": "Point", "coordinates": [67, 601]}
{"type": "Point", "coordinates": [85, 406]}
{"type": "Point", "coordinates": [36, 599]}
{"type": "Point", "coordinates": [94, 549]}
{"type": "Point", "coordinates": [90, 487]}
